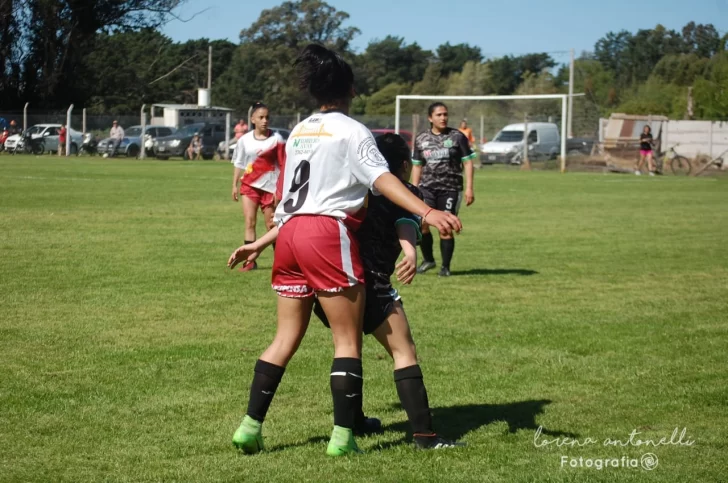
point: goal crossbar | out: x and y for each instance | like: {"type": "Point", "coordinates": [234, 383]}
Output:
{"type": "Point", "coordinates": [564, 101]}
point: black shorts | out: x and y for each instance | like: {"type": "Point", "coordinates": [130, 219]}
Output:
{"type": "Point", "coordinates": [443, 200]}
{"type": "Point", "coordinates": [379, 304]}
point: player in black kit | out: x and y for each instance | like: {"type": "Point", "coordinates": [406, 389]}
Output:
{"type": "Point", "coordinates": [439, 157]}
{"type": "Point", "coordinates": [386, 232]}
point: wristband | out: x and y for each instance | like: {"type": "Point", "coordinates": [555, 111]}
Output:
{"type": "Point", "coordinates": [424, 217]}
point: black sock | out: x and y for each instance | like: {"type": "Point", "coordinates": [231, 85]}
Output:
{"type": "Point", "coordinates": [447, 248]}
{"type": "Point", "coordinates": [265, 382]}
{"type": "Point", "coordinates": [347, 383]}
{"type": "Point", "coordinates": [426, 245]}
{"type": "Point", "coordinates": [413, 396]}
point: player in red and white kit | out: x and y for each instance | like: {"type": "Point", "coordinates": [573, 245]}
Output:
{"type": "Point", "coordinates": [331, 163]}
{"type": "Point", "coordinates": [259, 156]}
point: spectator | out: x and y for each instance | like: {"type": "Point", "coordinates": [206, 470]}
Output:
{"type": "Point", "coordinates": [240, 128]}
{"type": "Point", "coordinates": [467, 132]}
{"type": "Point", "coordinates": [116, 134]}
{"type": "Point", "coordinates": [62, 140]}
{"type": "Point", "coordinates": [194, 150]}
{"type": "Point", "coordinates": [3, 137]}
{"type": "Point", "coordinates": [13, 127]}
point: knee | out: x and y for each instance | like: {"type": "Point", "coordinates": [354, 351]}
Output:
{"type": "Point", "coordinates": [405, 355]}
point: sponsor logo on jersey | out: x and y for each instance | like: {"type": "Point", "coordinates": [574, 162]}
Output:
{"type": "Point", "coordinates": [312, 131]}
{"type": "Point", "coordinates": [369, 154]}
{"type": "Point", "coordinates": [305, 145]}
{"type": "Point", "coordinates": [447, 143]}
{"type": "Point", "coordinates": [435, 154]}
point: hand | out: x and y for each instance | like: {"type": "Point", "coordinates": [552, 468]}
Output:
{"type": "Point", "coordinates": [469, 197]}
{"type": "Point", "coordinates": [445, 222]}
{"type": "Point", "coordinates": [407, 268]}
{"type": "Point", "coordinates": [246, 254]}
{"type": "Point", "coordinates": [235, 193]}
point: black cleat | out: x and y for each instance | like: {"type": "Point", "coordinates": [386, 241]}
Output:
{"type": "Point", "coordinates": [435, 442]}
{"type": "Point", "coordinates": [368, 426]}
{"type": "Point", "coordinates": [444, 272]}
{"type": "Point", "coordinates": [425, 266]}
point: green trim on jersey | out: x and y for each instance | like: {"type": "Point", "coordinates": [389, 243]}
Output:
{"type": "Point", "coordinates": [471, 157]}
{"type": "Point", "coordinates": [416, 162]}
{"type": "Point", "coordinates": [409, 221]}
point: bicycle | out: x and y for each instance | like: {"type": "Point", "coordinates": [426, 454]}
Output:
{"type": "Point", "coordinates": [679, 164]}
{"type": "Point", "coordinates": [717, 161]}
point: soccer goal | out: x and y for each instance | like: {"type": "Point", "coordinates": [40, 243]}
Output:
{"type": "Point", "coordinates": [487, 116]}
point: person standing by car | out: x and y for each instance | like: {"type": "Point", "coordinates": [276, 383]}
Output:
{"type": "Point", "coordinates": [117, 135]}
{"type": "Point", "coordinates": [240, 128]}
{"type": "Point", "coordinates": [439, 157]}
{"type": "Point", "coordinates": [467, 132]}
{"type": "Point", "coordinates": [62, 132]}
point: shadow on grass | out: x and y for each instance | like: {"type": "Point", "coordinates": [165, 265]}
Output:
{"type": "Point", "coordinates": [496, 271]}
{"type": "Point", "coordinates": [454, 422]}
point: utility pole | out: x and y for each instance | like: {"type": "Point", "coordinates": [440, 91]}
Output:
{"type": "Point", "coordinates": [571, 95]}
{"type": "Point", "coordinates": [209, 72]}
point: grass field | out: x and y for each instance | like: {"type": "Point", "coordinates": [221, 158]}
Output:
{"type": "Point", "coordinates": [590, 305]}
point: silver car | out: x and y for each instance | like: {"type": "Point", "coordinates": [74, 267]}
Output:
{"type": "Point", "coordinates": [132, 142]}
{"type": "Point", "coordinates": [49, 133]}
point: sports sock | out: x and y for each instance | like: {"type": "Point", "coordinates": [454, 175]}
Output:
{"type": "Point", "coordinates": [347, 383]}
{"type": "Point", "coordinates": [447, 248]}
{"type": "Point", "coordinates": [426, 244]}
{"type": "Point", "coordinates": [265, 382]}
{"type": "Point", "coordinates": [413, 396]}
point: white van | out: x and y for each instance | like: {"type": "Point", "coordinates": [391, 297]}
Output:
{"type": "Point", "coordinates": [544, 142]}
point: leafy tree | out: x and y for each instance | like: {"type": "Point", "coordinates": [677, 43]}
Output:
{"type": "Point", "coordinates": [506, 73]}
{"type": "Point", "coordinates": [711, 92]}
{"type": "Point", "coordinates": [702, 40]}
{"type": "Point", "coordinates": [391, 60]}
{"type": "Point", "coordinates": [454, 57]}
{"type": "Point", "coordinates": [382, 102]}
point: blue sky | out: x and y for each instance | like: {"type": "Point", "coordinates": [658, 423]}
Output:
{"type": "Point", "coordinates": [497, 27]}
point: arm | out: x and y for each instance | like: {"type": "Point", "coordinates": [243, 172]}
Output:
{"type": "Point", "coordinates": [239, 166]}
{"type": "Point", "coordinates": [469, 193]}
{"type": "Point", "coordinates": [249, 253]}
{"type": "Point", "coordinates": [393, 189]}
{"type": "Point", "coordinates": [407, 268]}
{"type": "Point", "coordinates": [416, 174]}
{"type": "Point", "coordinates": [236, 180]}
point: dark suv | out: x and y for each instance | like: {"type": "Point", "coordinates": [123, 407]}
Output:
{"type": "Point", "coordinates": [177, 143]}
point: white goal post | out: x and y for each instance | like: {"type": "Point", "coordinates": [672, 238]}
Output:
{"type": "Point", "coordinates": [564, 104]}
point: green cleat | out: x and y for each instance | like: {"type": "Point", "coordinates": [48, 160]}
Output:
{"type": "Point", "coordinates": [342, 442]}
{"type": "Point", "coordinates": [249, 436]}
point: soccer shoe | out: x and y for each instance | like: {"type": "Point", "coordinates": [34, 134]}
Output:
{"type": "Point", "coordinates": [248, 267]}
{"type": "Point", "coordinates": [367, 426]}
{"type": "Point", "coordinates": [342, 442]}
{"type": "Point", "coordinates": [249, 436]}
{"type": "Point", "coordinates": [425, 266]}
{"type": "Point", "coordinates": [444, 272]}
{"type": "Point", "coordinates": [435, 442]}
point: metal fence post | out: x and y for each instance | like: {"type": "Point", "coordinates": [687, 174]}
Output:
{"type": "Point", "coordinates": [228, 120]}
{"type": "Point", "coordinates": [69, 138]}
{"type": "Point", "coordinates": [25, 116]}
{"type": "Point", "coordinates": [142, 148]}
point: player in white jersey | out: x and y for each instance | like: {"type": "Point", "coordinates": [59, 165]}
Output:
{"type": "Point", "coordinates": [259, 155]}
{"type": "Point", "coordinates": [331, 163]}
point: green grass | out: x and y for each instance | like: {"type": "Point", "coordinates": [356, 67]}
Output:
{"type": "Point", "coordinates": [588, 304]}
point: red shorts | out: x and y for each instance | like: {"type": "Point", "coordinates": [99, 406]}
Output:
{"type": "Point", "coordinates": [315, 254]}
{"type": "Point", "coordinates": [263, 198]}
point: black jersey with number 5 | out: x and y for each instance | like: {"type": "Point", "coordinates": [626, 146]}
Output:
{"type": "Point", "coordinates": [441, 157]}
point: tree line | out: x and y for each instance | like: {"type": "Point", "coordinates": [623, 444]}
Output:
{"type": "Point", "coordinates": [109, 56]}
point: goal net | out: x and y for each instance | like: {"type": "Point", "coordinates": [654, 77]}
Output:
{"type": "Point", "coordinates": [499, 125]}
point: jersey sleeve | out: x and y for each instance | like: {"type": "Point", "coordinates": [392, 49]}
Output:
{"type": "Point", "coordinates": [281, 151]}
{"type": "Point", "coordinates": [239, 158]}
{"type": "Point", "coordinates": [366, 162]}
{"type": "Point", "coordinates": [403, 216]}
{"type": "Point", "coordinates": [417, 158]}
{"type": "Point", "coordinates": [466, 154]}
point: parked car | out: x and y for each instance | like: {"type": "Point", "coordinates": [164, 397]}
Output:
{"type": "Point", "coordinates": [177, 144]}
{"type": "Point", "coordinates": [231, 142]}
{"type": "Point", "coordinates": [579, 146]}
{"type": "Point", "coordinates": [154, 132]}
{"type": "Point", "coordinates": [49, 135]}
{"type": "Point", "coordinates": [544, 142]}
{"type": "Point", "coordinates": [406, 135]}
{"type": "Point", "coordinates": [132, 142]}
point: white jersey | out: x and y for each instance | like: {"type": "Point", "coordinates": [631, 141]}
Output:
{"type": "Point", "coordinates": [331, 163]}
{"type": "Point", "coordinates": [260, 160]}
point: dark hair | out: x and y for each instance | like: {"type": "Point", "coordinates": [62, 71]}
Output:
{"type": "Point", "coordinates": [434, 106]}
{"type": "Point", "coordinates": [256, 105]}
{"type": "Point", "coordinates": [395, 150]}
{"type": "Point", "coordinates": [324, 74]}
{"type": "Point", "coordinates": [648, 127]}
